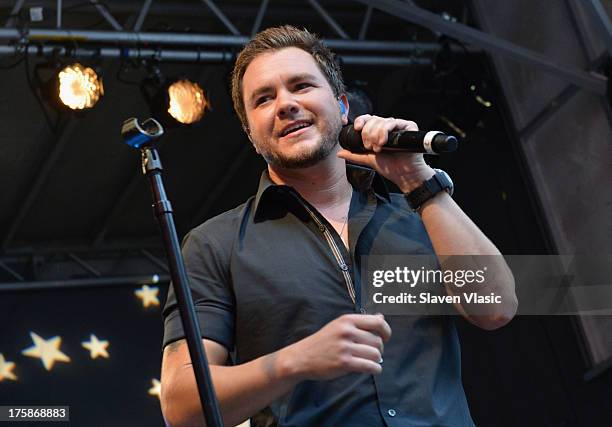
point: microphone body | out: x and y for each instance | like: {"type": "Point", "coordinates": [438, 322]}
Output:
{"type": "Point", "coordinates": [410, 141]}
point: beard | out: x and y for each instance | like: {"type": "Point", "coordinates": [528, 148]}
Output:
{"type": "Point", "coordinates": [305, 159]}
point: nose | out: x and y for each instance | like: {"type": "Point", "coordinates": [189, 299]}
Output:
{"type": "Point", "coordinates": [286, 105]}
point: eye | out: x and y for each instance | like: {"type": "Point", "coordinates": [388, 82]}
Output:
{"type": "Point", "coordinates": [302, 85]}
{"type": "Point", "coordinates": [261, 100]}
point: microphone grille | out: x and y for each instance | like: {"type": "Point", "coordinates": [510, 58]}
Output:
{"type": "Point", "coordinates": [444, 143]}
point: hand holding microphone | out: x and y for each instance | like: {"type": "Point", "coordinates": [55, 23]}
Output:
{"type": "Point", "coordinates": [394, 148]}
{"type": "Point", "coordinates": [411, 141]}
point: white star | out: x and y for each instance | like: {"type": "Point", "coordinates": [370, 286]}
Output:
{"type": "Point", "coordinates": [6, 369]}
{"type": "Point", "coordinates": [96, 347]}
{"type": "Point", "coordinates": [148, 295]}
{"type": "Point", "coordinates": [156, 389]}
{"type": "Point", "coordinates": [46, 350]}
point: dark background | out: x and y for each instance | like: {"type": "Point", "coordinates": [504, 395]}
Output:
{"type": "Point", "coordinates": [94, 203]}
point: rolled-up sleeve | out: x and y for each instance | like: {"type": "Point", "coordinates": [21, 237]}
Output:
{"type": "Point", "coordinates": [207, 265]}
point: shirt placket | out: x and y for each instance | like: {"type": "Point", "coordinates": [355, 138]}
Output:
{"type": "Point", "coordinates": [360, 213]}
{"type": "Point", "coordinates": [336, 251]}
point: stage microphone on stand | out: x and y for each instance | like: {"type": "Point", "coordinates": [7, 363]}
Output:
{"type": "Point", "coordinates": [409, 141]}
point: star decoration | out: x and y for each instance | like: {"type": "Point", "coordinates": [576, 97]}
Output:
{"type": "Point", "coordinates": [46, 350]}
{"type": "Point", "coordinates": [148, 295]}
{"type": "Point", "coordinates": [156, 389]}
{"type": "Point", "coordinates": [6, 369]}
{"type": "Point", "coordinates": [96, 347]}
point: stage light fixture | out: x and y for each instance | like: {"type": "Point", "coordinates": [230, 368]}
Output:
{"type": "Point", "coordinates": [186, 101]}
{"type": "Point", "coordinates": [174, 101]}
{"type": "Point", "coordinates": [79, 87]}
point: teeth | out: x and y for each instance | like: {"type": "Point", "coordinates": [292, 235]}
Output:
{"type": "Point", "coordinates": [293, 129]}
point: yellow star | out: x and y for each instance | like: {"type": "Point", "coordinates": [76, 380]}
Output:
{"type": "Point", "coordinates": [148, 295]}
{"type": "Point", "coordinates": [46, 350]}
{"type": "Point", "coordinates": [6, 369]}
{"type": "Point", "coordinates": [156, 389]}
{"type": "Point", "coordinates": [96, 347]}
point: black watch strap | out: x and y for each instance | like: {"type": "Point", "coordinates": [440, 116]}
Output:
{"type": "Point", "coordinates": [440, 181]}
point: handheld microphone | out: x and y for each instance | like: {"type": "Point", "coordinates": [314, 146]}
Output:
{"type": "Point", "coordinates": [409, 141]}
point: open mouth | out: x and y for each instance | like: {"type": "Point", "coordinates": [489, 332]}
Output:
{"type": "Point", "coordinates": [296, 129]}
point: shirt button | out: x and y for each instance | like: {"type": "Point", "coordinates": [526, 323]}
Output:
{"type": "Point", "coordinates": [322, 228]}
{"type": "Point", "coordinates": [344, 267]}
{"type": "Point", "coordinates": [362, 311]}
{"type": "Point", "coordinates": [391, 412]}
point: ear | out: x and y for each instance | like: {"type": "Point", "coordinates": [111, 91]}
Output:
{"type": "Point", "coordinates": [248, 134]}
{"type": "Point", "coordinates": [344, 108]}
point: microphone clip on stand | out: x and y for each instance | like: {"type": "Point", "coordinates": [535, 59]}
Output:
{"type": "Point", "coordinates": [142, 136]}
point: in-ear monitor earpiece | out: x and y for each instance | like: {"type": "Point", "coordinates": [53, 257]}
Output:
{"type": "Point", "coordinates": [342, 107]}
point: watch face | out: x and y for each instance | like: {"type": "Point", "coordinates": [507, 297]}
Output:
{"type": "Point", "coordinates": [448, 185]}
{"type": "Point", "coordinates": [440, 181]}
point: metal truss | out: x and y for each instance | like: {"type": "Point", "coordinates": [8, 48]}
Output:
{"type": "Point", "coordinates": [85, 268]}
{"type": "Point", "coordinates": [192, 47]}
{"type": "Point", "coordinates": [133, 40]}
{"type": "Point", "coordinates": [601, 21]}
{"type": "Point", "coordinates": [591, 82]}
{"type": "Point", "coordinates": [554, 105]}
{"type": "Point", "coordinates": [128, 40]}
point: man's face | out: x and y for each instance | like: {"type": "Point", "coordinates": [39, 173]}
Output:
{"type": "Point", "coordinates": [293, 117]}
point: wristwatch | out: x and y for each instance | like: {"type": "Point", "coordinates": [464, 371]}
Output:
{"type": "Point", "coordinates": [440, 181]}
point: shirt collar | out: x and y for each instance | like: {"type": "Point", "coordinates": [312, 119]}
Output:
{"type": "Point", "coordinates": [362, 179]}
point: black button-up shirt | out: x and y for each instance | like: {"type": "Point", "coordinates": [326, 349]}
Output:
{"type": "Point", "coordinates": [273, 271]}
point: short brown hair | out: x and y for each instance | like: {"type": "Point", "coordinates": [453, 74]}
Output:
{"type": "Point", "coordinates": [276, 38]}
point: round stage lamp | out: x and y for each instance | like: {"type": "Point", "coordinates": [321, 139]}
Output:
{"type": "Point", "coordinates": [79, 87]}
{"type": "Point", "coordinates": [186, 101]}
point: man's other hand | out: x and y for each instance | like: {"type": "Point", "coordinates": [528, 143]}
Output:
{"type": "Point", "coordinates": [350, 343]}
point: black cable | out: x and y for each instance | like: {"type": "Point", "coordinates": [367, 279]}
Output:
{"type": "Point", "coordinates": [124, 67]}
{"type": "Point", "coordinates": [446, 48]}
{"type": "Point", "coordinates": [95, 24]}
{"type": "Point", "coordinates": [14, 64]}
{"type": "Point", "coordinates": [85, 3]}
{"type": "Point", "coordinates": [10, 16]}
{"type": "Point", "coordinates": [52, 127]}
{"type": "Point", "coordinates": [76, 6]}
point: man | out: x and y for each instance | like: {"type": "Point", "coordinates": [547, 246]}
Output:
{"type": "Point", "coordinates": [276, 280]}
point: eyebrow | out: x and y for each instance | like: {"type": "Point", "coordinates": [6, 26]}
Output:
{"type": "Point", "coordinates": [292, 80]}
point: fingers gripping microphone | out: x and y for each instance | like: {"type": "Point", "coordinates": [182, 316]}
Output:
{"type": "Point", "coordinates": [409, 141]}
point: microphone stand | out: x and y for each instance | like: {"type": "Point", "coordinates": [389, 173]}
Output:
{"type": "Point", "coordinates": [141, 136]}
